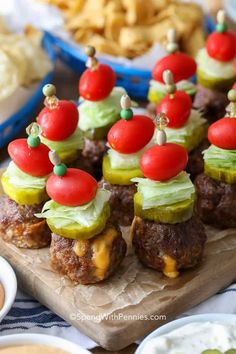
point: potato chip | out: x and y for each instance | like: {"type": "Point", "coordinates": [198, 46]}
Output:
{"type": "Point", "coordinates": [130, 27]}
{"type": "Point", "coordinates": [10, 76]}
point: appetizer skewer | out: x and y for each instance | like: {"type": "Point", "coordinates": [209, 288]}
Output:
{"type": "Point", "coordinates": [215, 72]}
{"type": "Point", "coordinates": [182, 66]}
{"type": "Point", "coordinates": [85, 246]}
{"type": "Point", "coordinates": [99, 107]}
{"type": "Point", "coordinates": [127, 140]}
{"type": "Point", "coordinates": [24, 185]}
{"type": "Point", "coordinates": [58, 121]}
{"type": "Point", "coordinates": [185, 126]}
{"type": "Point", "coordinates": [166, 234]}
{"type": "Point", "coordinates": [216, 187]}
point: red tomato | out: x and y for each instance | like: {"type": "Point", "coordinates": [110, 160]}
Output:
{"type": "Point", "coordinates": [177, 109]}
{"type": "Point", "coordinates": [130, 136]}
{"type": "Point", "coordinates": [95, 85]}
{"type": "Point", "coordinates": [180, 64]}
{"type": "Point", "coordinates": [33, 161]}
{"type": "Point", "coordinates": [162, 162]}
{"type": "Point", "coordinates": [221, 46]}
{"type": "Point", "coordinates": [59, 123]}
{"type": "Point", "coordinates": [75, 188]}
{"type": "Point", "coordinates": [234, 86]}
{"type": "Point", "coordinates": [223, 133]}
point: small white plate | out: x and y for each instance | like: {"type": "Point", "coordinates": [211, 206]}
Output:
{"type": "Point", "coordinates": [43, 339]}
{"type": "Point", "coordinates": [210, 317]}
{"type": "Point", "coordinates": [9, 282]}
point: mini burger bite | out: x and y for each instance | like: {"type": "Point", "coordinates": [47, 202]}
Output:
{"type": "Point", "coordinates": [99, 108]}
{"type": "Point", "coordinates": [86, 246]}
{"type": "Point", "coordinates": [24, 186]}
{"type": "Point", "coordinates": [127, 139]}
{"type": "Point", "coordinates": [166, 234]}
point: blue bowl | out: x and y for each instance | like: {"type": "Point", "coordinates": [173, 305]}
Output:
{"type": "Point", "coordinates": [11, 127]}
{"type": "Point", "coordinates": [171, 326]}
{"type": "Point", "coordinates": [135, 81]}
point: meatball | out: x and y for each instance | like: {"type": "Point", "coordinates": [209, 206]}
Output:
{"type": "Point", "coordinates": [121, 202]}
{"type": "Point", "coordinates": [19, 225]}
{"type": "Point", "coordinates": [216, 202]}
{"type": "Point", "coordinates": [93, 152]}
{"type": "Point", "coordinates": [195, 162]}
{"type": "Point", "coordinates": [212, 103]}
{"type": "Point", "coordinates": [167, 247]}
{"type": "Point", "coordinates": [89, 261]}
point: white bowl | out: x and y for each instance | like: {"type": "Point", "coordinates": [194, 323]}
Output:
{"type": "Point", "coordinates": [9, 282]}
{"type": "Point", "coordinates": [212, 317]}
{"type": "Point", "coordinates": [43, 339]}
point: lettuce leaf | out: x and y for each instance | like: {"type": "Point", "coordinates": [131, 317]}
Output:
{"type": "Point", "coordinates": [183, 85]}
{"type": "Point", "coordinates": [218, 157]}
{"type": "Point", "coordinates": [156, 193]}
{"type": "Point", "coordinates": [22, 180]}
{"type": "Point", "coordinates": [84, 215]}
{"type": "Point", "coordinates": [214, 68]}
{"type": "Point", "coordinates": [101, 113]}
{"type": "Point", "coordinates": [74, 142]}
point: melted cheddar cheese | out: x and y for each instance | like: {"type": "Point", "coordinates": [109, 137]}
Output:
{"type": "Point", "coordinates": [170, 269]}
{"type": "Point", "coordinates": [101, 247]}
{"type": "Point", "coordinates": [81, 247]}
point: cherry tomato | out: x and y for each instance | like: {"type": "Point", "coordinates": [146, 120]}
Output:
{"type": "Point", "coordinates": [75, 188]}
{"type": "Point", "coordinates": [33, 161]}
{"type": "Point", "coordinates": [180, 64]}
{"type": "Point", "coordinates": [130, 136]}
{"type": "Point", "coordinates": [59, 123]}
{"type": "Point", "coordinates": [234, 86]}
{"type": "Point", "coordinates": [95, 85]}
{"type": "Point", "coordinates": [177, 109]}
{"type": "Point", "coordinates": [162, 162]}
{"type": "Point", "coordinates": [223, 133]}
{"type": "Point", "coordinates": [221, 46]}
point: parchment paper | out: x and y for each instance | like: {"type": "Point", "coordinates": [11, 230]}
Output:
{"type": "Point", "coordinates": [129, 286]}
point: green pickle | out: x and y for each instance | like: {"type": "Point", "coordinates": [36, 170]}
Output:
{"type": "Point", "coordinates": [79, 232]}
{"type": "Point", "coordinates": [212, 351]}
{"type": "Point", "coordinates": [98, 133]}
{"type": "Point", "coordinates": [118, 176]}
{"type": "Point", "coordinates": [214, 83]}
{"type": "Point", "coordinates": [220, 174]}
{"type": "Point", "coordinates": [196, 138]}
{"type": "Point", "coordinates": [155, 96]}
{"type": "Point", "coordinates": [23, 196]}
{"type": "Point", "coordinates": [67, 157]}
{"type": "Point", "coordinates": [166, 214]}
{"type": "Point", "coordinates": [230, 351]}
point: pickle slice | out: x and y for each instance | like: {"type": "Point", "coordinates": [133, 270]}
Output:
{"type": "Point", "coordinates": [155, 96]}
{"type": "Point", "coordinates": [212, 351]}
{"type": "Point", "coordinates": [99, 133]}
{"type": "Point", "coordinates": [79, 232]}
{"type": "Point", "coordinates": [23, 196]}
{"type": "Point", "coordinates": [68, 157]}
{"type": "Point", "coordinates": [196, 138]}
{"type": "Point", "coordinates": [166, 214]}
{"type": "Point", "coordinates": [220, 174]}
{"type": "Point", "coordinates": [118, 176]}
{"type": "Point", "coordinates": [214, 83]}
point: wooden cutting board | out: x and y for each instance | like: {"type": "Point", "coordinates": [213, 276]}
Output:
{"type": "Point", "coordinates": [133, 292]}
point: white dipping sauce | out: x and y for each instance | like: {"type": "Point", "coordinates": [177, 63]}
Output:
{"type": "Point", "coordinates": [194, 338]}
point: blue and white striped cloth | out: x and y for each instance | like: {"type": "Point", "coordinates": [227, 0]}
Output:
{"type": "Point", "coordinates": [28, 315]}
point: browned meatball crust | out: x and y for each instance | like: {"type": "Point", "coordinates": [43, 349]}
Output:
{"type": "Point", "coordinates": [78, 259]}
{"type": "Point", "coordinates": [121, 202]}
{"type": "Point", "coordinates": [195, 164]}
{"type": "Point", "coordinates": [183, 242]}
{"type": "Point", "coordinates": [19, 226]}
{"type": "Point", "coordinates": [93, 152]}
{"type": "Point", "coordinates": [216, 202]}
{"type": "Point", "coordinates": [212, 103]}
